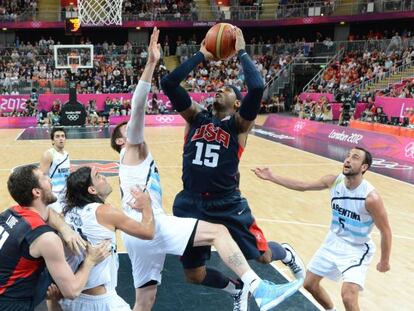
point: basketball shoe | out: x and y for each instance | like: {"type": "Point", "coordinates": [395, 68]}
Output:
{"type": "Point", "coordinates": [295, 264]}
{"type": "Point", "coordinates": [268, 295]}
{"type": "Point", "coordinates": [241, 299]}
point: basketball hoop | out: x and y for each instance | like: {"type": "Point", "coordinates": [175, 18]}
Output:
{"type": "Point", "coordinates": [100, 12]}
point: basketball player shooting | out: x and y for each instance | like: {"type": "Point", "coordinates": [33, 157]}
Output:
{"type": "Point", "coordinates": [212, 150]}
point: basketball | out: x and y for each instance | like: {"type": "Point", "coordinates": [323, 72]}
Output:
{"type": "Point", "coordinates": [221, 40]}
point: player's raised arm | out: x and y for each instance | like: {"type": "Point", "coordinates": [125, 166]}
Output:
{"type": "Point", "coordinates": [117, 219]}
{"type": "Point", "coordinates": [324, 182]}
{"type": "Point", "coordinates": [250, 105]}
{"type": "Point", "coordinates": [45, 162]}
{"type": "Point", "coordinates": [135, 128]}
{"type": "Point", "coordinates": [178, 96]}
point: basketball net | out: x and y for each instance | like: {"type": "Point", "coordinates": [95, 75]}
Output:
{"type": "Point", "coordinates": [73, 68]}
{"type": "Point", "coordinates": [100, 12]}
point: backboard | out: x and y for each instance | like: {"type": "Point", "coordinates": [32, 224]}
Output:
{"type": "Point", "coordinates": [67, 55]}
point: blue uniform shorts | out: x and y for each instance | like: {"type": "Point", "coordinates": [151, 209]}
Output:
{"type": "Point", "coordinates": [230, 210]}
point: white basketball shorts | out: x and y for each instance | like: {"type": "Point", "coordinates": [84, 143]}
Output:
{"type": "Point", "coordinates": [147, 256]}
{"type": "Point", "coordinates": [337, 259]}
{"type": "Point", "coordinates": [106, 302]}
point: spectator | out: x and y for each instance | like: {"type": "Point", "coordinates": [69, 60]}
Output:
{"type": "Point", "coordinates": [380, 116]}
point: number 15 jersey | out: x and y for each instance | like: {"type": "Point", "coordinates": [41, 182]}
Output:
{"type": "Point", "coordinates": [211, 155]}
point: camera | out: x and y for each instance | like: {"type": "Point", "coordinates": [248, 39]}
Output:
{"type": "Point", "coordinates": [348, 107]}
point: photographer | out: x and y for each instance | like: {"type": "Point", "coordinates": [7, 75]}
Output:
{"type": "Point", "coordinates": [380, 116]}
{"type": "Point", "coordinates": [348, 100]}
{"type": "Point", "coordinates": [327, 114]}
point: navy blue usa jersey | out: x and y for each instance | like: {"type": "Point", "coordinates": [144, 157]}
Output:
{"type": "Point", "coordinates": [211, 155]}
{"type": "Point", "coordinates": [19, 271]}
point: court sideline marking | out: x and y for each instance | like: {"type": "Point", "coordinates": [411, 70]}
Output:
{"type": "Point", "coordinates": [332, 160]}
{"type": "Point", "coordinates": [309, 224]}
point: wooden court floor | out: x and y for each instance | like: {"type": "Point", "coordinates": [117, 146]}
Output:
{"type": "Point", "coordinates": [300, 219]}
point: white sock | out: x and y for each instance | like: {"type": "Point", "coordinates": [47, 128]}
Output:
{"type": "Point", "coordinates": [251, 279]}
{"type": "Point", "coordinates": [333, 309]}
{"type": "Point", "coordinates": [231, 288]}
{"type": "Point", "coordinates": [288, 257]}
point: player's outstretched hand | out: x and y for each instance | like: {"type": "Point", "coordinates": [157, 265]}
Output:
{"type": "Point", "coordinates": [263, 173]}
{"type": "Point", "coordinates": [141, 200]}
{"type": "Point", "coordinates": [203, 49]}
{"type": "Point", "coordinates": [240, 42]}
{"type": "Point", "coordinates": [154, 48]}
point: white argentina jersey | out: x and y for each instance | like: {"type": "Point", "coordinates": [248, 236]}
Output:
{"type": "Point", "coordinates": [144, 174]}
{"type": "Point", "coordinates": [83, 220]}
{"type": "Point", "coordinates": [59, 170]}
{"type": "Point", "coordinates": [350, 220]}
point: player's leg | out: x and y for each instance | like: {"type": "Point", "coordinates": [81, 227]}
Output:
{"type": "Point", "coordinates": [179, 236]}
{"type": "Point", "coordinates": [287, 255]}
{"type": "Point", "coordinates": [270, 251]}
{"type": "Point", "coordinates": [145, 296]}
{"type": "Point", "coordinates": [350, 293]}
{"type": "Point", "coordinates": [267, 294]}
{"type": "Point", "coordinates": [147, 263]}
{"type": "Point", "coordinates": [193, 259]}
{"type": "Point", "coordinates": [354, 265]}
{"type": "Point", "coordinates": [312, 285]}
{"type": "Point", "coordinates": [324, 264]}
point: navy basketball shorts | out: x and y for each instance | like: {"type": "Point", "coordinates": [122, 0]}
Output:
{"type": "Point", "coordinates": [232, 211]}
{"type": "Point", "coordinates": [15, 304]}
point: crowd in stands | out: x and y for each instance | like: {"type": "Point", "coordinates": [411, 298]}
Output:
{"type": "Point", "coordinates": [11, 10]}
{"type": "Point", "coordinates": [403, 89]}
{"type": "Point", "coordinates": [211, 76]}
{"type": "Point", "coordinates": [117, 68]}
{"type": "Point", "coordinates": [357, 67]}
{"type": "Point", "coordinates": [159, 10]}
{"type": "Point", "coordinates": [319, 110]}
{"type": "Point", "coordinates": [295, 8]}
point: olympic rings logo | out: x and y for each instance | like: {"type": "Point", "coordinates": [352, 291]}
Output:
{"type": "Point", "coordinates": [36, 24]}
{"type": "Point", "coordinates": [299, 125]}
{"type": "Point", "coordinates": [409, 150]}
{"type": "Point", "coordinates": [72, 117]}
{"type": "Point", "coordinates": [165, 119]}
{"type": "Point", "coordinates": [381, 163]}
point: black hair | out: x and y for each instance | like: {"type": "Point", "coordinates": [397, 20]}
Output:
{"type": "Point", "coordinates": [21, 182]}
{"type": "Point", "coordinates": [368, 156]}
{"type": "Point", "coordinates": [77, 194]}
{"type": "Point", "coordinates": [116, 133]}
{"type": "Point", "coordinates": [56, 129]}
{"type": "Point", "coordinates": [236, 91]}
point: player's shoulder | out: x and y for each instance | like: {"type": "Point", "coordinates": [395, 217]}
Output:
{"type": "Point", "coordinates": [47, 240]}
{"type": "Point", "coordinates": [373, 197]}
{"type": "Point", "coordinates": [106, 210]}
{"type": "Point", "coordinates": [50, 151]}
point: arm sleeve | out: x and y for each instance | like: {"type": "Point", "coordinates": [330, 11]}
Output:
{"type": "Point", "coordinates": [135, 127]}
{"type": "Point", "coordinates": [171, 83]}
{"type": "Point", "coordinates": [251, 102]}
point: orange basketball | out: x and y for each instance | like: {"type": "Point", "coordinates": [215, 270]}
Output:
{"type": "Point", "coordinates": [221, 40]}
